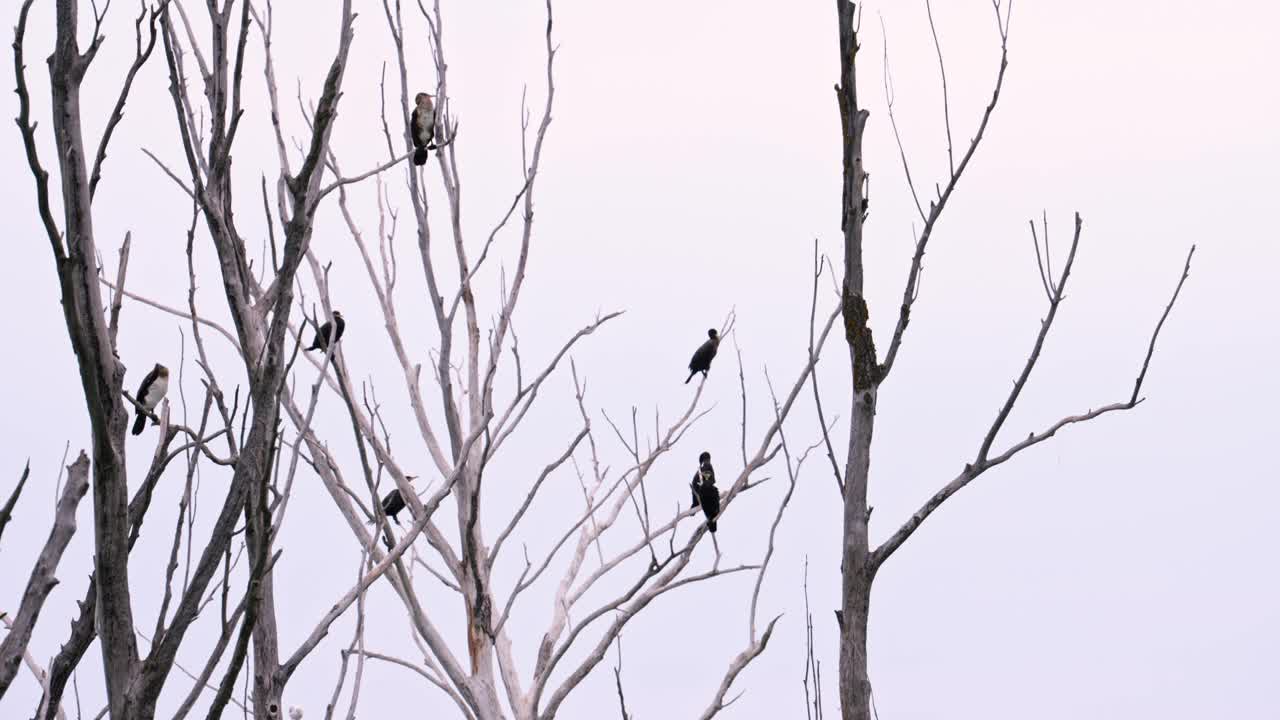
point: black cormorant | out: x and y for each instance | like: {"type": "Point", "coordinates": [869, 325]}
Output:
{"type": "Point", "coordinates": [705, 492]}
{"type": "Point", "coordinates": [327, 331]}
{"type": "Point", "coordinates": [701, 361]}
{"type": "Point", "coordinates": [393, 502]}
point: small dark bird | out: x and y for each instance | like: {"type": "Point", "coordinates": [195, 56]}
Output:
{"type": "Point", "coordinates": [704, 468]}
{"type": "Point", "coordinates": [701, 361]}
{"type": "Point", "coordinates": [327, 332]}
{"type": "Point", "coordinates": [150, 393]}
{"type": "Point", "coordinates": [422, 127]}
{"type": "Point", "coordinates": [393, 502]}
{"type": "Point", "coordinates": [705, 492]}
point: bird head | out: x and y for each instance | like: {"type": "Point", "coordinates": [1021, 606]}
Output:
{"type": "Point", "coordinates": [161, 370]}
{"type": "Point", "coordinates": [704, 458]}
{"type": "Point", "coordinates": [410, 478]}
{"type": "Point", "coordinates": [713, 334]}
{"type": "Point", "coordinates": [337, 314]}
{"type": "Point", "coordinates": [423, 99]}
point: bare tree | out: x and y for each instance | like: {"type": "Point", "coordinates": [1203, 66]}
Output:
{"type": "Point", "coordinates": [133, 680]}
{"type": "Point", "coordinates": [859, 561]}
{"type": "Point", "coordinates": [615, 556]}
{"type": "Point", "coordinates": [467, 364]}
{"type": "Point", "coordinates": [611, 557]}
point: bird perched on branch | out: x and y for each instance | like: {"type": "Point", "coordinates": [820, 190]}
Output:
{"type": "Point", "coordinates": [705, 492]}
{"type": "Point", "coordinates": [701, 361]}
{"type": "Point", "coordinates": [422, 127]}
{"type": "Point", "coordinates": [330, 331]}
{"type": "Point", "coordinates": [393, 502]}
{"type": "Point", "coordinates": [150, 393]}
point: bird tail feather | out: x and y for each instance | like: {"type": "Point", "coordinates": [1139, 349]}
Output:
{"type": "Point", "coordinates": [420, 156]}
{"type": "Point", "coordinates": [711, 525]}
{"type": "Point", "coordinates": [139, 424]}
{"type": "Point", "coordinates": [691, 374]}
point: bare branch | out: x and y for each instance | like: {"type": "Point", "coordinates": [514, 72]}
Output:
{"type": "Point", "coordinates": [343, 181]}
{"type": "Point", "coordinates": [429, 677]}
{"type": "Point", "coordinates": [893, 122]}
{"type": "Point", "coordinates": [942, 71]}
{"type": "Point", "coordinates": [419, 524]}
{"type": "Point", "coordinates": [936, 207]}
{"type": "Point", "coordinates": [42, 578]}
{"type": "Point", "coordinates": [28, 130]}
{"type": "Point", "coordinates": [524, 507]}
{"type": "Point", "coordinates": [1151, 347]}
{"type": "Point", "coordinates": [1034, 357]}
{"type": "Point", "coordinates": [177, 313]}
{"type": "Point", "coordinates": [40, 674]}
{"type": "Point", "coordinates": [114, 326]}
{"type": "Point", "coordinates": [736, 667]}
{"type": "Point", "coordinates": [818, 262]}
{"type": "Point", "coordinates": [6, 512]}
{"type": "Point", "coordinates": [984, 463]}
{"type": "Point", "coordinates": [141, 55]}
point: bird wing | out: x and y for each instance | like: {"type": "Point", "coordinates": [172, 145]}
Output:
{"type": "Point", "coordinates": [702, 355]}
{"type": "Point", "coordinates": [146, 384]}
{"type": "Point", "coordinates": [712, 501]}
{"type": "Point", "coordinates": [415, 129]}
{"type": "Point", "coordinates": [389, 500]}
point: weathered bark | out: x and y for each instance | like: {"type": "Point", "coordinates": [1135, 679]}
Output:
{"type": "Point", "coordinates": [856, 571]}
{"type": "Point", "coordinates": [42, 575]}
{"type": "Point", "coordinates": [83, 631]}
{"type": "Point", "coordinates": [266, 642]}
{"type": "Point", "coordinates": [101, 374]}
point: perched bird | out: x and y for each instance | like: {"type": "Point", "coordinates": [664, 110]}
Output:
{"type": "Point", "coordinates": [422, 127]}
{"type": "Point", "coordinates": [704, 470]}
{"type": "Point", "coordinates": [327, 332]}
{"type": "Point", "coordinates": [706, 494]}
{"type": "Point", "coordinates": [393, 502]}
{"type": "Point", "coordinates": [701, 361]}
{"type": "Point", "coordinates": [150, 393]}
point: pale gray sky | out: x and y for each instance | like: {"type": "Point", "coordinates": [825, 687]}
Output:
{"type": "Point", "coordinates": [1125, 569]}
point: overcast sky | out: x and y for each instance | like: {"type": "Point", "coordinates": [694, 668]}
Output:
{"type": "Point", "coordinates": [1125, 569]}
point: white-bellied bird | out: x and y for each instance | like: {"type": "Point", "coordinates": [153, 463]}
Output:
{"type": "Point", "coordinates": [705, 492]}
{"type": "Point", "coordinates": [422, 127]}
{"type": "Point", "coordinates": [150, 393]}
{"type": "Point", "coordinates": [701, 361]}
{"type": "Point", "coordinates": [330, 331]}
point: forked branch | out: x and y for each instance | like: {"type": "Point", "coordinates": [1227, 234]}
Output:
{"type": "Point", "coordinates": [984, 461]}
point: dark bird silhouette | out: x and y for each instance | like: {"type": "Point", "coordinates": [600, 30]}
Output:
{"type": "Point", "coordinates": [705, 492]}
{"type": "Point", "coordinates": [393, 502]}
{"type": "Point", "coordinates": [328, 332]}
{"type": "Point", "coordinates": [150, 393]}
{"type": "Point", "coordinates": [701, 361]}
{"type": "Point", "coordinates": [704, 467]}
{"type": "Point", "coordinates": [422, 127]}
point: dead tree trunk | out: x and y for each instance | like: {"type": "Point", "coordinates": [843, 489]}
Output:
{"type": "Point", "coordinates": [856, 571]}
{"type": "Point", "coordinates": [859, 562]}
